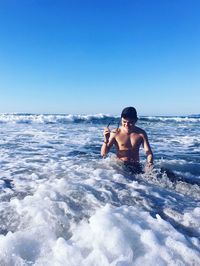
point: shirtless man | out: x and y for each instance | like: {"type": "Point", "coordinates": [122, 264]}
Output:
{"type": "Point", "coordinates": [127, 140]}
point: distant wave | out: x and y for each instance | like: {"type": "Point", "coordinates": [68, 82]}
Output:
{"type": "Point", "coordinates": [55, 118]}
{"type": "Point", "coordinates": [195, 116]}
{"type": "Point", "coordinates": [97, 118]}
{"type": "Point", "coordinates": [180, 119]}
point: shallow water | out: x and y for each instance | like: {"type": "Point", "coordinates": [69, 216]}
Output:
{"type": "Point", "coordinates": [62, 204]}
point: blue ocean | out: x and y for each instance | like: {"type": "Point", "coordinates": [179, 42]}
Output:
{"type": "Point", "coordinates": [61, 204]}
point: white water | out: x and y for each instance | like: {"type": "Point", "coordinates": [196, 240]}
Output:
{"type": "Point", "coordinates": [61, 204]}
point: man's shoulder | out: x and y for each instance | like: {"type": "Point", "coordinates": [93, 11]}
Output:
{"type": "Point", "coordinates": [115, 131]}
{"type": "Point", "coordinates": [140, 131]}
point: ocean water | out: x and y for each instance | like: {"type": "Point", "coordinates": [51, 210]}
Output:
{"type": "Point", "coordinates": [62, 204]}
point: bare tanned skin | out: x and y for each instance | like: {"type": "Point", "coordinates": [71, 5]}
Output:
{"type": "Point", "coordinates": [127, 140]}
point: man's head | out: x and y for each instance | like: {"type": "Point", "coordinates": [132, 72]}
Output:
{"type": "Point", "coordinates": [129, 117]}
{"type": "Point", "coordinates": [129, 113]}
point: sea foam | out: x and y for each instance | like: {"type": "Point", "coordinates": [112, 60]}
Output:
{"type": "Point", "coordinates": [62, 204]}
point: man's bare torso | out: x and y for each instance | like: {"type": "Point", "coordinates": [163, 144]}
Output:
{"type": "Point", "coordinates": [128, 144]}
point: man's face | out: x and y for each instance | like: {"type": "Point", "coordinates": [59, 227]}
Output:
{"type": "Point", "coordinates": [128, 123]}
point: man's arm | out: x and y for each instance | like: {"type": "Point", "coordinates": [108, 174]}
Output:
{"type": "Point", "coordinates": [108, 142]}
{"type": "Point", "coordinates": [147, 149]}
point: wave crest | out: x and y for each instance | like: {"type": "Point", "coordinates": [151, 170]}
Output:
{"type": "Point", "coordinates": [95, 118]}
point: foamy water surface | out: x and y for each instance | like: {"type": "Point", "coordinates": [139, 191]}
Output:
{"type": "Point", "coordinates": [62, 204]}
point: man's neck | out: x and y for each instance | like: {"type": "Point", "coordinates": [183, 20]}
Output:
{"type": "Point", "coordinates": [129, 131]}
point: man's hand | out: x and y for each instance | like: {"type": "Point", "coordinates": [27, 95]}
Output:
{"type": "Point", "coordinates": [148, 167]}
{"type": "Point", "coordinates": [106, 134]}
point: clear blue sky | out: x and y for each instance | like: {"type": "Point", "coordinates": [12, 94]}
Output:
{"type": "Point", "coordinates": [99, 56]}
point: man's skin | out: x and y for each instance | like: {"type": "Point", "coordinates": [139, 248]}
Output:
{"type": "Point", "coordinates": [127, 140]}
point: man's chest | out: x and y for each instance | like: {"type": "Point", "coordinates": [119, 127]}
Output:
{"type": "Point", "coordinates": [129, 141]}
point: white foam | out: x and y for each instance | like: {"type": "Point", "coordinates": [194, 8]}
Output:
{"type": "Point", "coordinates": [112, 236]}
{"type": "Point", "coordinates": [54, 188]}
